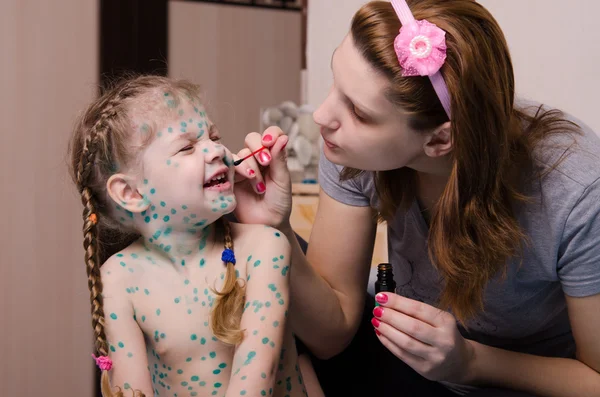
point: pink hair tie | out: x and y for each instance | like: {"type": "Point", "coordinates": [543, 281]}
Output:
{"type": "Point", "coordinates": [103, 362]}
{"type": "Point", "coordinates": [421, 50]}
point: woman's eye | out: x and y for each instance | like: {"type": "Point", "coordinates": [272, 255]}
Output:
{"type": "Point", "coordinates": [215, 138]}
{"type": "Point", "coordinates": [187, 148]}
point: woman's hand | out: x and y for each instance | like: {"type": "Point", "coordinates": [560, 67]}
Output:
{"type": "Point", "coordinates": [264, 192]}
{"type": "Point", "coordinates": [425, 338]}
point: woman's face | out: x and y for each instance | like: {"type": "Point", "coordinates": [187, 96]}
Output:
{"type": "Point", "coordinates": [361, 128]}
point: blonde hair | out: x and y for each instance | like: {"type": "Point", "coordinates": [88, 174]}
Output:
{"type": "Point", "coordinates": [101, 144]}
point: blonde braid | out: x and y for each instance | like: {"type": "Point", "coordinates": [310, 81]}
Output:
{"type": "Point", "coordinates": [227, 312]}
{"type": "Point", "coordinates": [98, 133]}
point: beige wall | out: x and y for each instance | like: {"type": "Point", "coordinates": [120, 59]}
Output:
{"type": "Point", "coordinates": [554, 47]}
{"type": "Point", "coordinates": [48, 68]}
{"type": "Point", "coordinates": [244, 58]}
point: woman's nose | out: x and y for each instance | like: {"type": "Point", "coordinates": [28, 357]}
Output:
{"type": "Point", "coordinates": [325, 115]}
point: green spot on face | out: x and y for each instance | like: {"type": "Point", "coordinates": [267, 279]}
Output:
{"type": "Point", "coordinates": [126, 386]}
{"type": "Point", "coordinates": [188, 359]}
{"type": "Point", "coordinates": [256, 263]}
{"type": "Point", "coordinates": [166, 218]}
{"type": "Point", "coordinates": [217, 385]}
{"type": "Point", "coordinates": [143, 318]}
{"type": "Point", "coordinates": [112, 348]}
{"type": "Point", "coordinates": [146, 291]}
{"type": "Point", "coordinates": [213, 354]}
{"type": "Point", "coordinates": [243, 393]}
{"type": "Point", "coordinates": [202, 262]}
{"type": "Point", "coordinates": [113, 316]}
{"type": "Point", "coordinates": [195, 378]}
{"type": "Point", "coordinates": [158, 312]}
{"type": "Point", "coordinates": [176, 300]}
{"type": "Point", "coordinates": [217, 371]}
{"type": "Point", "coordinates": [276, 324]}
{"type": "Point", "coordinates": [121, 345]}
{"type": "Point", "coordinates": [202, 341]}
{"type": "Point", "coordinates": [222, 365]}
{"type": "Point", "coordinates": [123, 264]}
{"type": "Point", "coordinates": [194, 337]}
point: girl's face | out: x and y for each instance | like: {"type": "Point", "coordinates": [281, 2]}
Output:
{"type": "Point", "coordinates": [361, 128]}
{"type": "Point", "coordinates": [186, 173]}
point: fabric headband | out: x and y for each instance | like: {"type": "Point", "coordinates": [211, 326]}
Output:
{"type": "Point", "coordinates": [421, 50]}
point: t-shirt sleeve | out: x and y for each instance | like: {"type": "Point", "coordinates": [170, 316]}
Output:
{"type": "Point", "coordinates": [347, 192]}
{"type": "Point", "coordinates": [579, 256]}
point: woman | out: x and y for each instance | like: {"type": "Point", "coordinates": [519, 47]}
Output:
{"type": "Point", "coordinates": [492, 207]}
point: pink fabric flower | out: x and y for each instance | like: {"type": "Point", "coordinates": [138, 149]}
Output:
{"type": "Point", "coordinates": [421, 48]}
{"type": "Point", "coordinates": [103, 362]}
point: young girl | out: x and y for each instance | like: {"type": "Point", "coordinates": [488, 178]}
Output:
{"type": "Point", "coordinates": [192, 306]}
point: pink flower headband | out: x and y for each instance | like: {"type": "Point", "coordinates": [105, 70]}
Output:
{"type": "Point", "coordinates": [421, 50]}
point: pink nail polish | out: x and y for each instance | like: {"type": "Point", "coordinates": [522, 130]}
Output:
{"type": "Point", "coordinates": [381, 298]}
{"type": "Point", "coordinates": [264, 157]}
{"type": "Point", "coordinates": [261, 187]}
{"type": "Point", "coordinates": [375, 322]}
{"type": "Point", "coordinates": [251, 172]}
{"type": "Point", "coordinates": [378, 311]}
{"type": "Point", "coordinates": [377, 332]}
{"type": "Point", "coordinates": [267, 138]}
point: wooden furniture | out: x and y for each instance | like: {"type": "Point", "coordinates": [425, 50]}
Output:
{"type": "Point", "coordinates": [305, 200]}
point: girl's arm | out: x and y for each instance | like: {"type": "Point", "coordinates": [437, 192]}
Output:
{"type": "Point", "coordinates": [127, 348]}
{"type": "Point", "coordinates": [264, 318]}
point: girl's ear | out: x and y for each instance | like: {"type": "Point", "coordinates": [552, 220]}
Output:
{"type": "Point", "coordinates": [122, 190]}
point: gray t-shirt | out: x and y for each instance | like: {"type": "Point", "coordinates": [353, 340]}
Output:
{"type": "Point", "coordinates": [526, 312]}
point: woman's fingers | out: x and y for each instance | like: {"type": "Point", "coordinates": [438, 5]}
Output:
{"type": "Point", "coordinates": [249, 169]}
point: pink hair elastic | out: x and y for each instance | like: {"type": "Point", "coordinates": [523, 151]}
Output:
{"type": "Point", "coordinates": [103, 362]}
{"type": "Point", "coordinates": [421, 50]}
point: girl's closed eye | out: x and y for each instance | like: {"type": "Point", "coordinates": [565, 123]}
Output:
{"type": "Point", "coordinates": [188, 148]}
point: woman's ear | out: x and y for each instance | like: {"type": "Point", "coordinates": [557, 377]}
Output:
{"type": "Point", "coordinates": [122, 190]}
{"type": "Point", "coordinates": [439, 141]}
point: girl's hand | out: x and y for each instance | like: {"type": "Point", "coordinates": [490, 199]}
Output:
{"type": "Point", "coordinates": [425, 338]}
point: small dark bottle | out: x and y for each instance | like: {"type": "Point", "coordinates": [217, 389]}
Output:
{"type": "Point", "coordinates": [385, 279]}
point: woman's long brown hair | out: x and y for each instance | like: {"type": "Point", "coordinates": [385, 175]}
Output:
{"type": "Point", "coordinates": [473, 230]}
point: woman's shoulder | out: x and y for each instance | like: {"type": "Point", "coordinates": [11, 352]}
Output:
{"type": "Point", "coordinates": [358, 190]}
{"type": "Point", "coordinates": [570, 153]}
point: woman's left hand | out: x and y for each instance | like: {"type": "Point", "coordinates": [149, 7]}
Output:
{"type": "Point", "coordinates": [424, 337]}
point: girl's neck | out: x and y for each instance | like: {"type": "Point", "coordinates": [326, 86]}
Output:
{"type": "Point", "coordinates": [180, 245]}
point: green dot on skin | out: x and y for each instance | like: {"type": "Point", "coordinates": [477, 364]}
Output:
{"type": "Point", "coordinates": [113, 316]}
